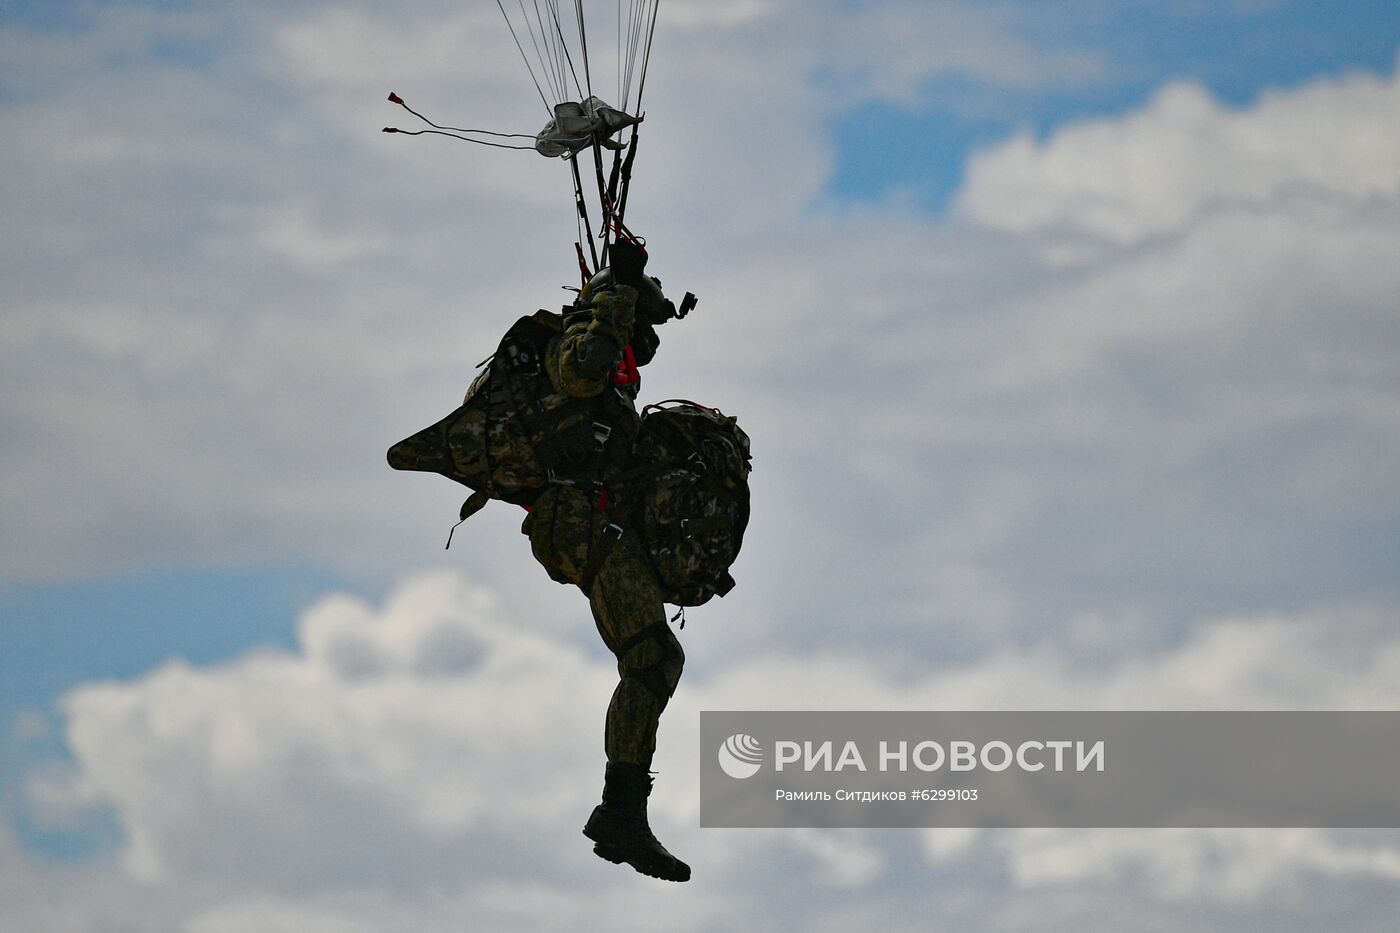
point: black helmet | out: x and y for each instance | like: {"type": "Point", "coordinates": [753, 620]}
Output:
{"type": "Point", "coordinates": [628, 260]}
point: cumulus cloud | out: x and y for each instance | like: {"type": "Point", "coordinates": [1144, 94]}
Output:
{"type": "Point", "coordinates": [1155, 172]}
{"type": "Point", "coordinates": [404, 766]}
{"type": "Point", "coordinates": [1193, 864]}
{"type": "Point", "coordinates": [405, 727]}
{"type": "Point", "coordinates": [892, 51]}
{"type": "Point", "coordinates": [432, 759]}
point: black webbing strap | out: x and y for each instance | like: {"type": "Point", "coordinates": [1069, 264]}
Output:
{"type": "Point", "coordinates": [598, 555]}
{"type": "Point", "coordinates": [474, 504]}
{"type": "Point", "coordinates": [660, 630]}
{"type": "Point", "coordinates": [658, 677]}
{"type": "Point", "coordinates": [705, 524]}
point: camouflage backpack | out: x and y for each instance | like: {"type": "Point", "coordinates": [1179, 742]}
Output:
{"type": "Point", "coordinates": [697, 504]}
{"type": "Point", "coordinates": [514, 433]}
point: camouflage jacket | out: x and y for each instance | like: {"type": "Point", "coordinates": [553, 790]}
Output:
{"type": "Point", "coordinates": [581, 362]}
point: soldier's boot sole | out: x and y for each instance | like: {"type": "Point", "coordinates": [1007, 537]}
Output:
{"type": "Point", "coordinates": [619, 845]}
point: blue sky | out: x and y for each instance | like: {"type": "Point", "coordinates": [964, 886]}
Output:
{"type": "Point", "coordinates": [1236, 50]}
{"type": "Point", "coordinates": [55, 636]}
{"type": "Point", "coordinates": [299, 287]}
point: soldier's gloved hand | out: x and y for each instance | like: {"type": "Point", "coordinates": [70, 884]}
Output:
{"type": "Point", "coordinates": [645, 340]}
{"type": "Point", "coordinates": [614, 312]}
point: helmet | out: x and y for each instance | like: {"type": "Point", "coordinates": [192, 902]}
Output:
{"type": "Point", "coordinates": [626, 268]}
{"type": "Point", "coordinates": [653, 307]}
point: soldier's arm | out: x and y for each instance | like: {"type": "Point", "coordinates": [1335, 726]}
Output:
{"type": "Point", "coordinates": [590, 348]}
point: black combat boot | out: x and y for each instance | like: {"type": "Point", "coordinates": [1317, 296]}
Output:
{"type": "Point", "coordinates": [619, 830]}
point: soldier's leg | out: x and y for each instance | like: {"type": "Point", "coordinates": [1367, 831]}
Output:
{"type": "Point", "coordinates": [631, 616]}
{"type": "Point", "coordinates": [628, 607]}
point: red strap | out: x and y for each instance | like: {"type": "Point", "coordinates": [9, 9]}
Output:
{"type": "Point", "coordinates": [582, 263]}
{"type": "Point", "coordinates": [683, 401]}
{"type": "Point", "coordinates": [625, 374]}
{"type": "Point", "coordinates": [602, 498]}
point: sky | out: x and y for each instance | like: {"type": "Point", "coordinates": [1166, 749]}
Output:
{"type": "Point", "coordinates": [1065, 335]}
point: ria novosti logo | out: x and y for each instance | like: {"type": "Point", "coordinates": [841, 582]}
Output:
{"type": "Point", "coordinates": [740, 756]}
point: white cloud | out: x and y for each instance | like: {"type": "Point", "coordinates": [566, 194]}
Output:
{"type": "Point", "coordinates": [433, 758]}
{"type": "Point", "coordinates": [1192, 864]}
{"type": "Point", "coordinates": [404, 726]}
{"type": "Point", "coordinates": [1156, 171]}
{"type": "Point", "coordinates": [892, 51]}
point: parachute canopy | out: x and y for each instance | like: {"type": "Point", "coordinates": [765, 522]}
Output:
{"type": "Point", "coordinates": [575, 126]}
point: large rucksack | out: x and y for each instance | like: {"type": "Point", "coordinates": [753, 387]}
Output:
{"type": "Point", "coordinates": [696, 505]}
{"type": "Point", "coordinates": [514, 433]}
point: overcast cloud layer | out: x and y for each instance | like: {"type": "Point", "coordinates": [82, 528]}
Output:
{"type": "Point", "coordinates": [1119, 431]}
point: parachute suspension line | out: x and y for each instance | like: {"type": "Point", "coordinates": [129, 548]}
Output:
{"type": "Point", "coordinates": [624, 46]}
{"type": "Point", "coordinates": [396, 99]}
{"type": "Point", "coordinates": [635, 32]}
{"type": "Point", "coordinates": [625, 173]}
{"type": "Point", "coordinates": [639, 19]}
{"type": "Point", "coordinates": [553, 6]}
{"type": "Point", "coordinates": [633, 18]}
{"type": "Point", "coordinates": [556, 46]}
{"type": "Point", "coordinates": [560, 46]}
{"type": "Point", "coordinates": [603, 206]}
{"type": "Point", "coordinates": [583, 44]}
{"type": "Point", "coordinates": [646, 55]}
{"type": "Point", "coordinates": [546, 64]}
{"type": "Point", "coordinates": [622, 170]}
{"type": "Point", "coordinates": [525, 58]}
{"type": "Point", "coordinates": [465, 139]}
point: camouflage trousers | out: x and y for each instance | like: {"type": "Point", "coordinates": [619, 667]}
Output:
{"type": "Point", "coordinates": [566, 530]}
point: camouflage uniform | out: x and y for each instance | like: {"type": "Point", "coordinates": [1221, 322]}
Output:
{"type": "Point", "coordinates": [598, 549]}
{"type": "Point", "coordinates": [546, 426]}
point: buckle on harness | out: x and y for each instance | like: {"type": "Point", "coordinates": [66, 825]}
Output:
{"type": "Point", "coordinates": [521, 359]}
{"type": "Point", "coordinates": [557, 480]}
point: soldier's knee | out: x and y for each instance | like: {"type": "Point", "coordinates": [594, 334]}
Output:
{"type": "Point", "coordinates": [671, 668]}
{"type": "Point", "coordinates": [674, 665]}
{"type": "Point", "coordinates": [655, 662]}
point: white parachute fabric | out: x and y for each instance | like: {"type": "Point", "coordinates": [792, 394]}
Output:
{"type": "Point", "coordinates": [576, 126]}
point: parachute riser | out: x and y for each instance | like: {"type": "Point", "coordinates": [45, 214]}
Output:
{"type": "Point", "coordinates": [583, 211]}
{"type": "Point", "coordinates": [604, 205]}
{"type": "Point", "coordinates": [626, 174]}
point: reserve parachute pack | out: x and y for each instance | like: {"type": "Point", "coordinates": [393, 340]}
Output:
{"type": "Point", "coordinates": [696, 506]}
{"type": "Point", "coordinates": [514, 434]}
